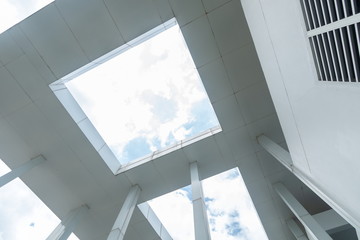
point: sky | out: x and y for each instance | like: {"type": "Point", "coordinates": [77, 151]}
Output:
{"type": "Point", "coordinates": [176, 109]}
{"type": "Point", "coordinates": [14, 11]}
{"type": "Point", "coordinates": [231, 213]}
{"type": "Point", "coordinates": [153, 94]}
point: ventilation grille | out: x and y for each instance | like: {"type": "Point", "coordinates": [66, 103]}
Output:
{"type": "Point", "coordinates": [333, 30]}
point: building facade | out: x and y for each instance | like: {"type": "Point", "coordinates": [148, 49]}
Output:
{"type": "Point", "coordinates": [282, 78]}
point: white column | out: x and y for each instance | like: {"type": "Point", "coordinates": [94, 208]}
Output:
{"type": "Point", "coordinates": [275, 150]}
{"type": "Point", "coordinates": [20, 170]}
{"type": "Point", "coordinates": [296, 230]}
{"type": "Point", "coordinates": [122, 221]}
{"type": "Point", "coordinates": [284, 158]}
{"type": "Point", "coordinates": [311, 226]}
{"type": "Point", "coordinates": [67, 226]}
{"type": "Point", "coordinates": [201, 224]}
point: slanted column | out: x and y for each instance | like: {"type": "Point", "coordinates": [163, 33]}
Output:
{"type": "Point", "coordinates": [20, 170]}
{"type": "Point", "coordinates": [358, 232]}
{"type": "Point", "coordinates": [122, 221]}
{"type": "Point", "coordinates": [67, 226]}
{"type": "Point", "coordinates": [312, 227]}
{"type": "Point", "coordinates": [275, 150]}
{"type": "Point", "coordinates": [296, 230]}
{"type": "Point", "coordinates": [201, 224]}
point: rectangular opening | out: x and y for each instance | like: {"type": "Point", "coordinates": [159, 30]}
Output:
{"type": "Point", "coordinates": [140, 101]}
{"type": "Point", "coordinates": [230, 210]}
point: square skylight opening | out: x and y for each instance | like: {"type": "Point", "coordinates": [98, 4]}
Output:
{"type": "Point", "coordinates": [230, 211]}
{"type": "Point", "coordinates": [14, 11]}
{"type": "Point", "coordinates": [140, 101]}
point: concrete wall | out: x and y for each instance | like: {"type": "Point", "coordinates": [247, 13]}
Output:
{"type": "Point", "coordinates": [320, 120]}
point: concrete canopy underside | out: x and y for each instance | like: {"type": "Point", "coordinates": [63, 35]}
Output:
{"type": "Point", "coordinates": [67, 35]}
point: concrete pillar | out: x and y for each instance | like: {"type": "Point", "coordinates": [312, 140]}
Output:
{"type": "Point", "coordinates": [67, 226]}
{"type": "Point", "coordinates": [296, 230]}
{"type": "Point", "coordinates": [284, 158]}
{"type": "Point", "coordinates": [20, 170]}
{"type": "Point", "coordinates": [201, 224]}
{"type": "Point", "coordinates": [122, 221]}
{"type": "Point", "coordinates": [275, 150]}
{"type": "Point", "coordinates": [312, 227]}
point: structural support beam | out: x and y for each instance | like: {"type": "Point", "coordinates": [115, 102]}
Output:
{"type": "Point", "coordinates": [284, 158]}
{"type": "Point", "coordinates": [154, 221]}
{"type": "Point", "coordinates": [275, 150]}
{"type": "Point", "coordinates": [122, 221]}
{"type": "Point", "coordinates": [296, 230]}
{"type": "Point", "coordinates": [312, 227]}
{"type": "Point", "coordinates": [201, 224]}
{"type": "Point", "coordinates": [67, 226]}
{"type": "Point", "coordinates": [20, 170]}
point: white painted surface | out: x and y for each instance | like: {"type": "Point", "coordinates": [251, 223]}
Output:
{"type": "Point", "coordinates": [319, 119]}
{"type": "Point", "coordinates": [20, 170]}
{"type": "Point", "coordinates": [313, 228]}
{"type": "Point", "coordinates": [57, 40]}
{"type": "Point", "coordinates": [201, 224]}
{"type": "Point", "coordinates": [67, 226]}
{"type": "Point", "coordinates": [296, 230]}
{"type": "Point", "coordinates": [121, 223]}
{"type": "Point", "coordinates": [330, 219]}
{"type": "Point", "coordinates": [154, 221]}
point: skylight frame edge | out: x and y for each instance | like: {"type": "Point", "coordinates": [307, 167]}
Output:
{"type": "Point", "coordinates": [63, 94]}
{"type": "Point", "coordinates": [169, 149]}
{"type": "Point", "coordinates": [78, 115]}
{"type": "Point", "coordinates": [75, 110]}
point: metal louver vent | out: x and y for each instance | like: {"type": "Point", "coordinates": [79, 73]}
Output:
{"type": "Point", "coordinates": [333, 31]}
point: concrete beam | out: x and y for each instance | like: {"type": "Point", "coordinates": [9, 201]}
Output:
{"type": "Point", "coordinates": [296, 230]}
{"type": "Point", "coordinates": [67, 226]}
{"type": "Point", "coordinates": [311, 226]}
{"type": "Point", "coordinates": [20, 170]}
{"type": "Point", "coordinates": [275, 150]}
{"type": "Point", "coordinates": [284, 158]}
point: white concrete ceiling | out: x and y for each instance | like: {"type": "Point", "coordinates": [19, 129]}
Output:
{"type": "Point", "coordinates": [67, 35]}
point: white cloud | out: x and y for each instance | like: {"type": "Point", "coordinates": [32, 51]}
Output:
{"type": "Point", "coordinates": [175, 212]}
{"type": "Point", "coordinates": [148, 91]}
{"type": "Point", "coordinates": [14, 11]}
{"type": "Point", "coordinates": [230, 210]}
{"type": "Point", "coordinates": [230, 196]}
{"type": "Point", "coordinates": [8, 16]}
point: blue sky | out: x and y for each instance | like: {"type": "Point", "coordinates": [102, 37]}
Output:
{"type": "Point", "coordinates": [146, 98]}
{"type": "Point", "coordinates": [231, 213]}
{"type": "Point", "coordinates": [176, 109]}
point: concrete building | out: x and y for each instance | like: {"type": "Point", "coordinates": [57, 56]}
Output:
{"type": "Point", "coordinates": [282, 77]}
